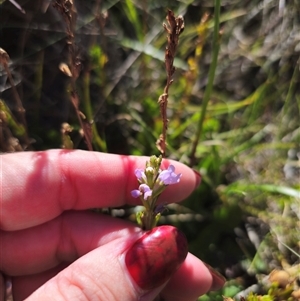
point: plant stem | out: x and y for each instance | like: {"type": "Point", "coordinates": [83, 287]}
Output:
{"type": "Point", "coordinates": [211, 76]}
{"type": "Point", "coordinates": [98, 142]}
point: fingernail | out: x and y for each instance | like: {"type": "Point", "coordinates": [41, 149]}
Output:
{"type": "Point", "coordinates": [198, 178]}
{"type": "Point", "coordinates": [218, 279]}
{"type": "Point", "coordinates": [155, 256]}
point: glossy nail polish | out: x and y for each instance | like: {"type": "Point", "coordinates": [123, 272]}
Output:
{"type": "Point", "coordinates": [155, 256]}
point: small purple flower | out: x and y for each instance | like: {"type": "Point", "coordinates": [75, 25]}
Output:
{"type": "Point", "coordinates": [140, 174]}
{"type": "Point", "coordinates": [168, 176]}
{"type": "Point", "coordinates": [136, 193]}
{"type": "Point", "coordinates": [144, 189]}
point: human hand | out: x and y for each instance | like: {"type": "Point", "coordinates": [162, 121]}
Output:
{"type": "Point", "coordinates": [54, 250]}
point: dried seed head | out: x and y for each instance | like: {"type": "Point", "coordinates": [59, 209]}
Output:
{"type": "Point", "coordinates": [4, 57]}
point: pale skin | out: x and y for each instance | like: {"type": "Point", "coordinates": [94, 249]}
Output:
{"type": "Point", "coordinates": [54, 249]}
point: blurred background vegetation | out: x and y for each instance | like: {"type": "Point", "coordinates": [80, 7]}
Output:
{"type": "Point", "coordinates": [244, 218]}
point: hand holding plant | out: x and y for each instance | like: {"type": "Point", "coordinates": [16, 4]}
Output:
{"type": "Point", "coordinates": [59, 242]}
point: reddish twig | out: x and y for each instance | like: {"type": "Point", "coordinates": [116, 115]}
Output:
{"type": "Point", "coordinates": [174, 28]}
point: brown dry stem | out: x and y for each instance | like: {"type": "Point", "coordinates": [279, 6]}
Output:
{"type": "Point", "coordinates": [174, 28]}
{"type": "Point", "coordinates": [73, 68]}
{"type": "Point", "coordinates": [4, 60]}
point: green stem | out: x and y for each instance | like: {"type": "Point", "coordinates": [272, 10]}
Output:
{"type": "Point", "coordinates": [211, 76]}
{"type": "Point", "coordinates": [148, 220]}
{"type": "Point", "coordinates": [100, 143]}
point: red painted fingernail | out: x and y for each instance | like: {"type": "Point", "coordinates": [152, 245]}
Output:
{"type": "Point", "coordinates": [155, 256]}
{"type": "Point", "coordinates": [198, 178]}
{"type": "Point", "coordinates": [218, 279]}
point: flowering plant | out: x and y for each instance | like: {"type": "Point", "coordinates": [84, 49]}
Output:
{"type": "Point", "coordinates": [153, 181]}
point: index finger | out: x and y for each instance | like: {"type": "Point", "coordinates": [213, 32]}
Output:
{"type": "Point", "coordinates": [38, 186]}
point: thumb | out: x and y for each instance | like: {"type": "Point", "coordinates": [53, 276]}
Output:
{"type": "Point", "coordinates": [120, 270]}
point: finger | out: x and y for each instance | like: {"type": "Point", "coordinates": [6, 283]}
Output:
{"type": "Point", "coordinates": [186, 280]}
{"type": "Point", "coordinates": [24, 286]}
{"type": "Point", "coordinates": [182, 278]}
{"type": "Point", "coordinates": [89, 278]}
{"type": "Point", "coordinates": [63, 239]}
{"type": "Point", "coordinates": [191, 280]}
{"type": "Point", "coordinates": [116, 284]}
{"type": "Point", "coordinates": [38, 186]}
{"type": "Point", "coordinates": [74, 234]}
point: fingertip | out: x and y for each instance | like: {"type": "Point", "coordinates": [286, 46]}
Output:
{"type": "Point", "coordinates": [198, 178]}
{"type": "Point", "coordinates": [218, 279]}
{"type": "Point", "coordinates": [190, 281]}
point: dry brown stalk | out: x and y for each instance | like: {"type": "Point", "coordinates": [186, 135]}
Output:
{"type": "Point", "coordinates": [174, 28]}
{"type": "Point", "coordinates": [65, 130]}
{"type": "Point", "coordinates": [4, 59]}
{"type": "Point", "coordinates": [73, 68]}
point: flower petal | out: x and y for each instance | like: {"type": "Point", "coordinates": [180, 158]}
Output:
{"type": "Point", "coordinates": [168, 176]}
{"type": "Point", "coordinates": [139, 173]}
{"type": "Point", "coordinates": [144, 188]}
{"type": "Point", "coordinates": [147, 194]}
{"type": "Point", "coordinates": [136, 193]}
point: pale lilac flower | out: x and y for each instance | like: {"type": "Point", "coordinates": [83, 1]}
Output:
{"type": "Point", "coordinates": [140, 174]}
{"type": "Point", "coordinates": [168, 176]}
{"type": "Point", "coordinates": [144, 189]}
{"type": "Point", "coordinates": [147, 192]}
